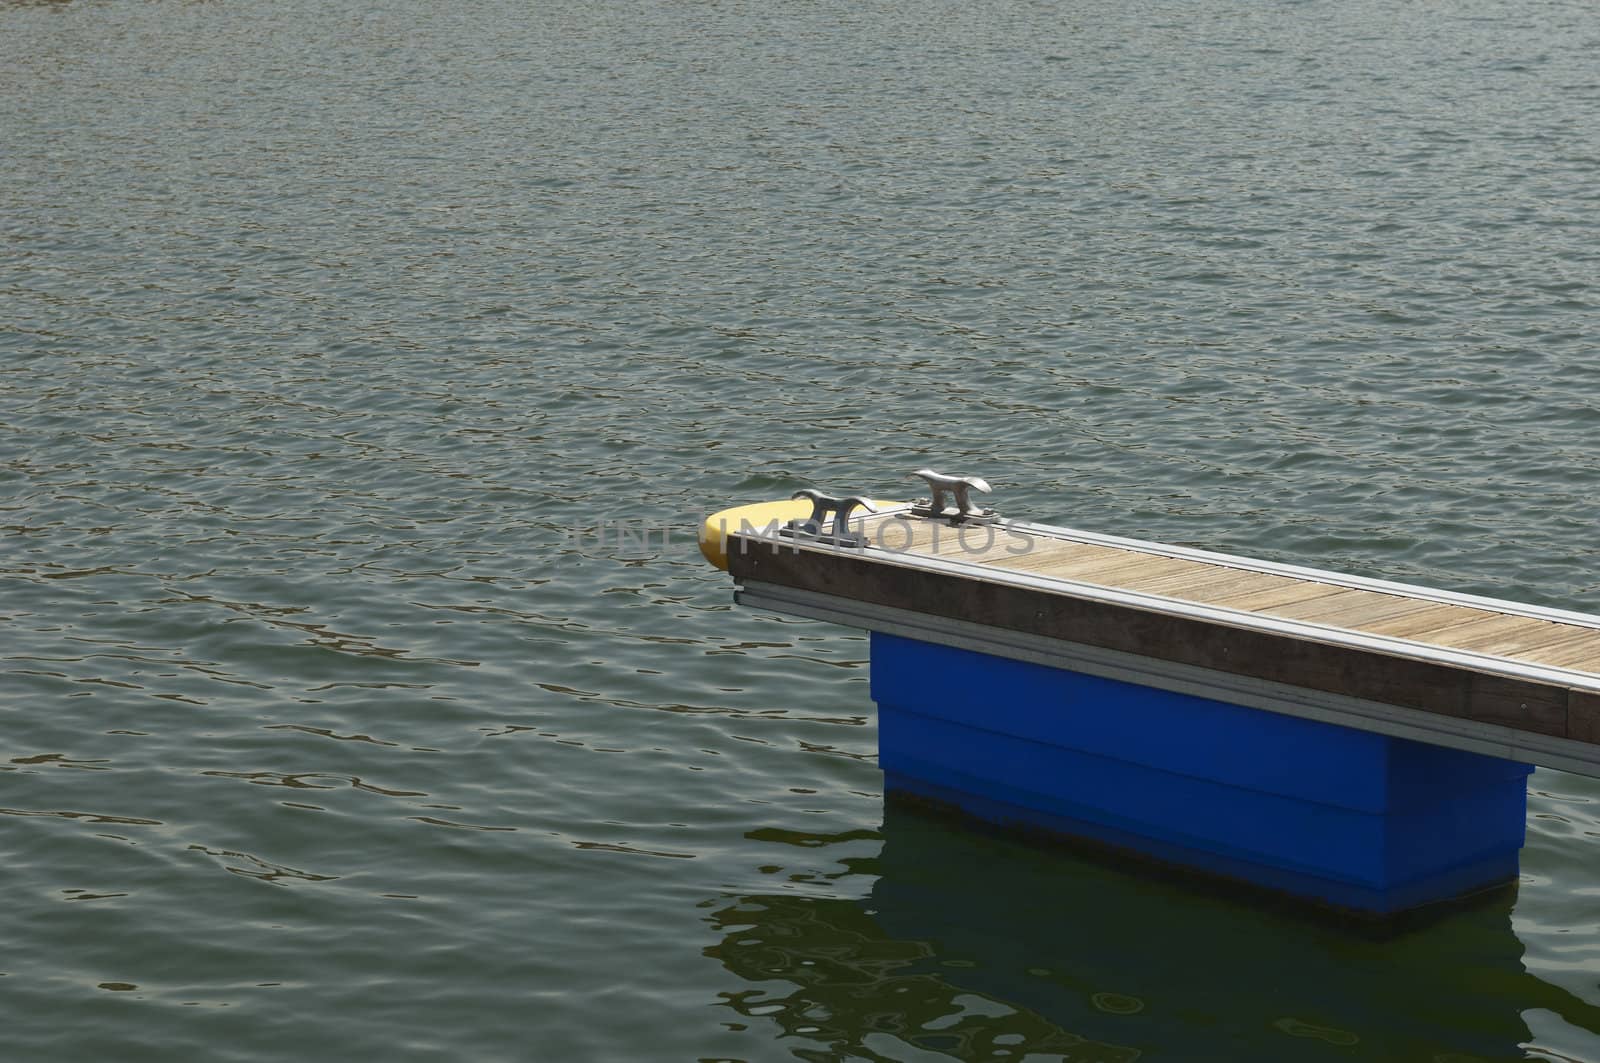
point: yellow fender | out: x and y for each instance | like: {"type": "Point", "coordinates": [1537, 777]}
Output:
{"type": "Point", "coordinates": [717, 527]}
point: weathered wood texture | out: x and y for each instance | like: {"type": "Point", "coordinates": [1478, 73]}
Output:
{"type": "Point", "coordinates": [891, 578]}
{"type": "Point", "coordinates": [1522, 638]}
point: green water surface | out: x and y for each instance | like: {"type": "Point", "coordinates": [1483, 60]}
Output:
{"type": "Point", "coordinates": [326, 329]}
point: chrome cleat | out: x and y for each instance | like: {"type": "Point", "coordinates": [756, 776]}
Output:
{"type": "Point", "coordinates": [960, 487]}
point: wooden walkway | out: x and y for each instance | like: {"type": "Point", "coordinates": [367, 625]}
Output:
{"type": "Point", "coordinates": [1496, 670]}
{"type": "Point", "coordinates": [1500, 629]}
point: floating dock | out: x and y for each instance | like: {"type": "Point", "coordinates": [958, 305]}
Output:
{"type": "Point", "coordinates": [1358, 743]}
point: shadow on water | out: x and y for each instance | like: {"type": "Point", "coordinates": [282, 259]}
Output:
{"type": "Point", "coordinates": [971, 946]}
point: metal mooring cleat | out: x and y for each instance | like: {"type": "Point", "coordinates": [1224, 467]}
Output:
{"type": "Point", "coordinates": [959, 486]}
{"type": "Point", "coordinates": [822, 505]}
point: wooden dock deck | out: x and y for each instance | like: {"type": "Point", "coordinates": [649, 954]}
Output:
{"type": "Point", "coordinates": [1490, 676]}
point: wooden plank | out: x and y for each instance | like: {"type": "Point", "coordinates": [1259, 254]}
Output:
{"type": "Point", "coordinates": [1046, 551]}
{"type": "Point", "coordinates": [1002, 552]}
{"type": "Point", "coordinates": [1492, 626]}
{"type": "Point", "coordinates": [1578, 656]}
{"type": "Point", "coordinates": [975, 544]}
{"type": "Point", "coordinates": [1583, 716]}
{"type": "Point", "coordinates": [900, 534]}
{"type": "Point", "coordinates": [1285, 594]}
{"type": "Point", "coordinates": [1189, 585]}
{"type": "Point", "coordinates": [1088, 567]}
{"type": "Point", "coordinates": [1324, 607]}
{"type": "Point", "coordinates": [1240, 584]}
{"type": "Point", "coordinates": [1516, 703]}
{"type": "Point", "coordinates": [1516, 644]}
{"type": "Point", "coordinates": [1355, 614]}
{"type": "Point", "coordinates": [1145, 568]}
{"type": "Point", "coordinates": [1057, 551]}
{"type": "Point", "coordinates": [1418, 625]}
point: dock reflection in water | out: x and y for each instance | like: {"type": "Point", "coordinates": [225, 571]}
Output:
{"type": "Point", "coordinates": [971, 946]}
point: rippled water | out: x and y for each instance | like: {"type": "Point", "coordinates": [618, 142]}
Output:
{"type": "Point", "coordinates": [325, 324]}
